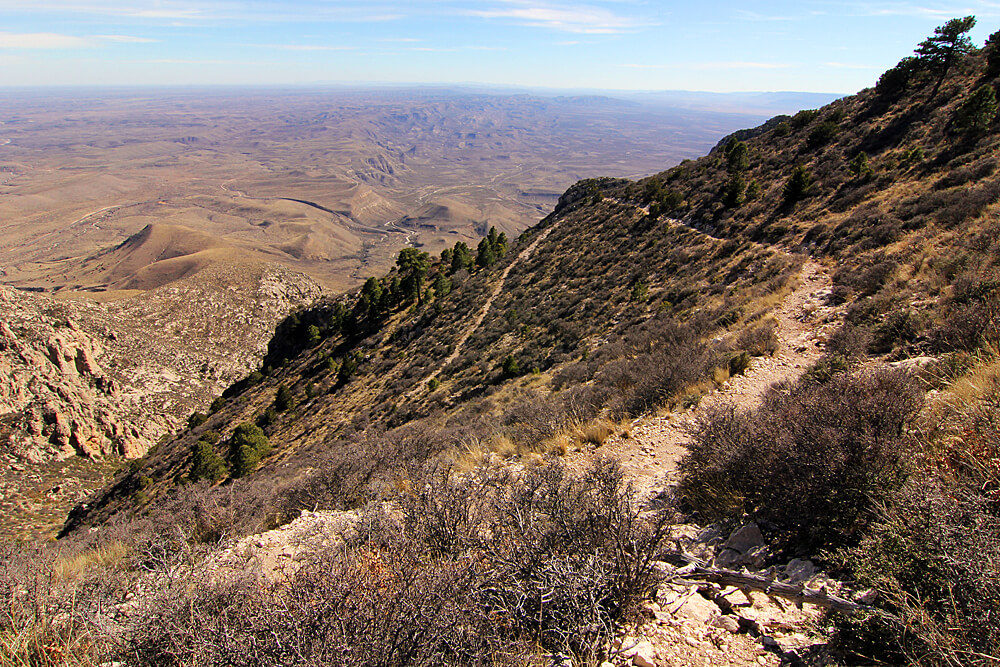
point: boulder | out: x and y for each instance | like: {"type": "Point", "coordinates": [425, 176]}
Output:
{"type": "Point", "coordinates": [745, 538]}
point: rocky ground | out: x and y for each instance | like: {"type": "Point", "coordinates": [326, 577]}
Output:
{"type": "Point", "coordinates": [105, 381]}
{"type": "Point", "coordinates": [687, 623]}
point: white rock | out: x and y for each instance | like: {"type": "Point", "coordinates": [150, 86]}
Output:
{"type": "Point", "coordinates": [698, 608]}
{"type": "Point", "coordinates": [730, 623]}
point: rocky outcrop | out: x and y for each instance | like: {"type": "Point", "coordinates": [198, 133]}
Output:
{"type": "Point", "coordinates": [79, 378]}
{"type": "Point", "coordinates": [58, 399]}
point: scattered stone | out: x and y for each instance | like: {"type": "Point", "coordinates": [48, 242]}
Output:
{"type": "Point", "coordinates": [730, 623]}
{"type": "Point", "coordinates": [698, 608]}
{"type": "Point", "coordinates": [799, 571]}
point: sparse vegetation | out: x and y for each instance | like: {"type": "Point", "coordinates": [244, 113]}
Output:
{"type": "Point", "coordinates": [620, 313]}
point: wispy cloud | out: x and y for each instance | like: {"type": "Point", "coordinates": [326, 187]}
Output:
{"type": "Point", "coordinates": [52, 40]}
{"type": "Point", "coordinates": [585, 19]}
{"type": "Point", "coordinates": [196, 61]}
{"type": "Point", "coordinates": [934, 10]}
{"type": "Point", "coordinates": [127, 39]}
{"type": "Point", "coordinates": [850, 66]}
{"type": "Point", "coordinates": [748, 15]}
{"type": "Point", "coordinates": [182, 12]}
{"type": "Point", "coordinates": [42, 40]}
{"type": "Point", "coordinates": [709, 65]}
{"type": "Point", "coordinates": [310, 47]}
{"type": "Point", "coordinates": [452, 49]}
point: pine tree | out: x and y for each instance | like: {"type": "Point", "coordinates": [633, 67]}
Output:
{"type": "Point", "coordinates": [947, 44]}
{"type": "Point", "coordinates": [247, 446]}
{"type": "Point", "coordinates": [860, 166]}
{"type": "Point", "coordinates": [797, 185]}
{"type": "Point", "coordinates": [283, 399]}
{"type": "Point", "coordinates": [737, 157]}
{"type": "Point", "coordinates": [206, 463]}
{"type": "Point", "coordinates": [485, 255]}
{"type": "Point", "coordinates": [413, 266]}
{"type": "Point", "coordinates": [979, 111]}
{"type": "Point", "coordinates": [461, 258]}
{"type": "Point", "coordinates": [992, 49]}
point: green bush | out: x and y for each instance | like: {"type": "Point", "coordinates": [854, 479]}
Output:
{"type": "Point", "coordinates": [860, 166]}
{"type": "Point", "coordinates": [979, 111]}
{"type": "Point", "coordinates": [283, 399]}
{"type": "Point", "coordinates": [797, 186]}
{"type": "Point", "coordinates": [206, 464]}
{"type": "Point", "coordinates": [196, 419]}
{"type": "Point", "coordinates": [510, 367]}
{"type": "Point", "coordinates": [823, 134]}
{"type": "Point", "coordinates": [247, 446]}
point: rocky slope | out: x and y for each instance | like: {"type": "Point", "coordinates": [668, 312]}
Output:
{"type": "Point", "coordinates": [109, 380]}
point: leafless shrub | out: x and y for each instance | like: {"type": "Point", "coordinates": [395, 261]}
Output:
{"type": "Point", "coordinates": [813, 460]}
{"type": "Point", "coordinates": [481, 569]}
{"type": "Point", "coordinates": [760, 340]}
{"type": "Point", "coordinates": [532, 417]}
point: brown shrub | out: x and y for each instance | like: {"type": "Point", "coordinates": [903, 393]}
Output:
{"type": "Point", "coordinates": [760, 340]}
{"type": "Point", "coordinates": [812, 461]}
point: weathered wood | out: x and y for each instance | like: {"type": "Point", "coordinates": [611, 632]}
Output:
{"type": "Point", "coordinates": [797, 593]}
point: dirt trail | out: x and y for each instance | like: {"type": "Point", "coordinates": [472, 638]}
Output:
{"type": "Point", "coordinates": [484, 311]}
{"type": "Point", "coordinates": [651, 452]}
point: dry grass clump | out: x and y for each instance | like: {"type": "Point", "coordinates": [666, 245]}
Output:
{"type": "Point", "coordinates": [760, 340]}
{"type": "Point", "coordinates": [594, 432]}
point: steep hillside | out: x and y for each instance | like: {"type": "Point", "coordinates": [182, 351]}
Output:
{"type": "Point", "coordinates": [566, 328]}
{"type": "Point", "coordinates": [95, 381]}
{"type": "Point", "coordinates": [433, 405]}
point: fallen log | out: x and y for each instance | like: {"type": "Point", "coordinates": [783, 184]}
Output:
{"type": "Point", "coordinates": [796, 593]}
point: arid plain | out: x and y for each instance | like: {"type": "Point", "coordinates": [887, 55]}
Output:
{"type": "Point", "coordinates": [150, 241]}
{"type": "Point", "coordinates": [112, 192]}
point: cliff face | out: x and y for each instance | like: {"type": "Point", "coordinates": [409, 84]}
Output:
{"type": "Point", "coordinates": [84, 384]}
{"type": "Point", "coordinates": [95, 380]}
{"type": "Point", "coordinates": [58, 399]}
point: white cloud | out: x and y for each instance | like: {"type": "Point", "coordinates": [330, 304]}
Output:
{"type": "Point", "coordinates": [582, 19]}
{"type": "Point", "coordinates": [849, 66]}
{"type": "Point", "coordinates": [127, 39]}
{"type": "Point", "coordinates": [192, 61]}
{"type": "Point", "coordinates": [52, 40]}
{"type": "Point", "coordinates": [311, 47]}
{"type": "Point", "coordinates": [934, 10]}
{"type": "Point", "coordinates": [42, 40]}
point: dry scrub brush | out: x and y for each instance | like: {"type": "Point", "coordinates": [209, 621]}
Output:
{"type": "Point", "coordinates": [934, 554]}
{"type": "Point", "coordinates": [813, 461]}
{"type": "Point", "coordinates": [485, 568]}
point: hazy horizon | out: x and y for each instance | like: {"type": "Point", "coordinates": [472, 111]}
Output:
{"type": "Point", "coordinates": [718, 46]}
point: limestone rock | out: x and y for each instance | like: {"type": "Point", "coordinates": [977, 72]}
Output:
{"type": "Point", "coordinates": [730, 623]}
{"type": "Point", "coordinates": [745, 538]}
{"type": "Point", "coordinates": [642, 654]}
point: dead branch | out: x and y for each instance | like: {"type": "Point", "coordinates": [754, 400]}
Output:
{"type": "Point", "coordinates": [797, 593]}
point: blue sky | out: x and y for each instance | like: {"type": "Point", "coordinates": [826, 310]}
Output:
{"type": "Point", "coordinates": [711, 45]}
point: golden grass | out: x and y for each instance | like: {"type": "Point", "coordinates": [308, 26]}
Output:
{"type": "Point", "coordinates": [720, 375]}
{"type": "Point", "coordinates": [974, 384]}
{"type": "Point", "coordinates": [559, 444]}
{"type": "Point", "coordinates": [594, 432]}
{"type": "Point", "coordinates": [105, 555]}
